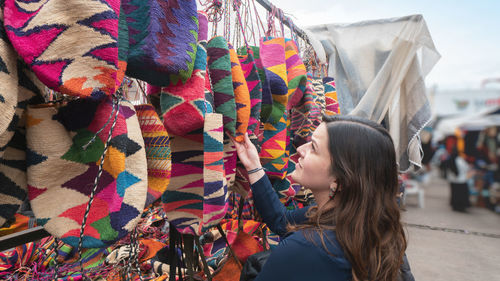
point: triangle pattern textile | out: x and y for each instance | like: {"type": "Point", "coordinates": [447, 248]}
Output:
{"type": "Point", "coordinates": [331, 99]}
{"type": "Point", "coordinates": [183, 199]}
{"type": "Point", "coordinates": [296, 73]}
{"type": "Point", "coordinates": [272, 54]}
{"type": "Point", "coordinates": [319, 90]}
{"type": "Point", "coordinates": [219, 70]}
{"type": "Point", "coordinates": [13, 188]}
{"type": "Point", "coordinates": [162, 37]}
{"type": "Point", "coordinates": [85, 64]}
{"type": "Point", "coordinates": [241, 96]}
{"type": "Point", "coordinates": [59, 201]}
{"type": "Point", "coordinates": [215, 198]}
{"type": "Point", "coordinates": [157, 145]}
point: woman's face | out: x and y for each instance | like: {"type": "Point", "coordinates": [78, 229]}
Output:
{"type": "Point", "coordinates": [313, 168]}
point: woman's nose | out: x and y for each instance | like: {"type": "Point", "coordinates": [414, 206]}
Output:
{"type": "Point", "coordinates": [302, 150]}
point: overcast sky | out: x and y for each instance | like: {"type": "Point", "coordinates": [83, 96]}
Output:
{"type": "Point", "coordinates": [466, 33]}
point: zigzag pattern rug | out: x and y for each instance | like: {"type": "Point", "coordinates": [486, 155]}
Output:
{"type": "Point", "coordinates": [219, 70]}
{"type": "Point", "coordinates": [331, 99]}
{"type": "Point", "coordinates": [272, 54]}
{"type": "Point", "coordinates": [59, 201]}
{"type": "Point", "coordinates": [241, 96]}
{"type": "Point", "coordinates": [72, 48]}
{"type": "Point", "coordinates": [162, 38]}
{"type": "Point", "coordinates": [157, 144]}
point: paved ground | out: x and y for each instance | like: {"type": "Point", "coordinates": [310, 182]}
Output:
{"type": "Point", "coordinates": [447, 245]}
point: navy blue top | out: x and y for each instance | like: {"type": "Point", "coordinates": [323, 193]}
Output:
{"type": "Point", "coordinates": [297, 258]}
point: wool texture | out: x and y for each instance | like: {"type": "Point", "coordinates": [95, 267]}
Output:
{"type": "Point", "coordinates": [331, 99]}
{"type": "Point", "coordinates": [8, 78]}
{"type": "Point", "coordinates": [183, 105]}
{"type": "Point", "coordinates": [296, 73]}
{"type": "Point", "coordinates": [266, 100]}
{"type": "Point", "coordinates": [241, 96]}
{"type": "Point", "coordinates": [215, 184]}
{"type": "Point", "coordinates": [13, 189]}
{"type": "Point", "coordinates": [273, 154]}
{"type": "Point", "coordinates": [157, 145]}
{"type": "Point", "coordinates": [72, 46]}
{"type": "Point", "coordinates": [162, 37]}
{"type": "Point", "coordinates": [319, 90]}
{"type": "Point", "coordinates": [306, 116]}
{"type": "Point", "coordinates": [219, 70]}
{"type": "Point", "coordinates": [183, 199]}
{"type": "Point", "coordinates": [255, 88]}
{"type": "Point", "coordinates": [272, 53]}
{"type": "Point", "coordinates": [56, 141]}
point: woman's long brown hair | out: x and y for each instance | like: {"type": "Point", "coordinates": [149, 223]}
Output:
{"type": "Point", "coordinates": [366, 217]}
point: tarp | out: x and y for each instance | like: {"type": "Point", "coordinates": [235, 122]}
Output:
{"type": "Point", "coordinates": [379, 67]}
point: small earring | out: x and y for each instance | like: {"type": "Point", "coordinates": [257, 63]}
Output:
{"type": "Point", "coordinates": [332, 192]}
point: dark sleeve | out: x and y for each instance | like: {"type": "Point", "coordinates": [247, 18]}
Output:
{"type": "Point", "coordinates": [273, 213]}
{"type": "Point", "coordinates": [406, 274]}
{"type": "Point", "coordinates": [295, 261]}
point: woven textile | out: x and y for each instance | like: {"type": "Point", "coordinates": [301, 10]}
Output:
{"type": "Point", "coordinates": [273, 155]}
{"type": "Point", "coordinates": [72, 46]}
{"type": "Point", "coordinates": [13, 188]}
{"type": "Point", "coordinates": [255, 88]}
{"type": "Point", "coordinates": [183, 105]}
{"type": "Point", "coordinates": [183, 199]}
{"type": "Point", "coordinates": [162, 37]}
{"type": "Point", "coordinates": [219, 70]}
{"type": "Point", "coordinates": [157, 144]}
{"type": "Point", "coordinates": [63, 162]}
{"type": "Point", "coordinates": [230, 160]}
{"type": "Point", "coordinates": [266, 100]}
{"type": "Point", "coordinates": [319, 90]}
{"type": "Point", "coordinates": [241, 95]}
{"type": "Point", "coordinates": [331, 99]}
{"type": "Point", "coordinates": [8, 79]}
{"type": "Point", "coordinates": [215, 184]}
{"type": "Point", "coordinates": [272, 54]}
{"type": "Point", "coordinates": [296, 73]}
{"type": "Point", "coordinates": [306, 116]}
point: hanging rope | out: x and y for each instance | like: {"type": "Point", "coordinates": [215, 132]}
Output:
{"type": "Point", "coordinates": [115, 110]}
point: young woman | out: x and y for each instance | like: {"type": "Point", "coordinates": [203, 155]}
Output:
{"type": "Point", "coordinates": [354, 232]}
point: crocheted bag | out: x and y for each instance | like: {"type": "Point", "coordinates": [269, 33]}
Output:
{"type": "Point", "coordinates": [331, 99]}
{"type": "Point", "coordinates": [72, 46]}
{"type": "Point", "coordinates": [183, 105]}
{"type": "Point", "coordinates": [162, 36]}
{"type": "Point", "coordinates": [8, 80]}
{"type": "Point", "coordinates": [157, 144]}
{"type": "Point", "coordinates": [296, 73]}
{"type": "Point", "coordinates": [319, 90]}
{"type": "Point", "coordinates": [241, 96]}
{"type": "Point", "coordinates": [64, 166]}
{"type": "Point", "coordinates": [13, 188]}
{"type": "Point", "coordinates": [219, 70]}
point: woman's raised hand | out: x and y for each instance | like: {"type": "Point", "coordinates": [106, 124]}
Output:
{"type": "Point", "coordinates": [247, 153]}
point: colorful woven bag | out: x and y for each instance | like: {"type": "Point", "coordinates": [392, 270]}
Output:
{"type": "Point", "coordinates": [273, 154]}
{"type": "Point", "coordinates": [162, 37]}
{"type": "Point", "coordinates": [72, 46]}
{"type": "Point", "coordinates": [255, 87]}
{"type": "Point", "coordinates": [215, 184]}
{"type": "Point", "coordinates": [319, 90]}
{"type": "Point", "coordinates": [296, 73]}
{"type": "Point", "coordinates": [66, 147]}
{"type": "Point", "coordinates": [183, 105]}
{"type": "Point", "coordinates": [183, 199]}
{"type": "Point", "coordinates": [157, 144]}
{"type": "Point", "coordinates": [331, 99]}
{"type": "Point", "coordinates": [219, 70]}
{"type": "Point", "coordinates": [272, 54]}
{"type": "Point", "coordinates": [13, 189]}
{"type": "Point", "coordinates": [241, 96]}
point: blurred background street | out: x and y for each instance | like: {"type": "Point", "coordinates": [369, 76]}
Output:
{"type": "Point", "coordinates": [449, 245]}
